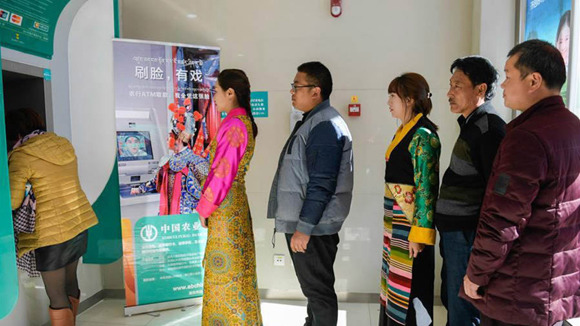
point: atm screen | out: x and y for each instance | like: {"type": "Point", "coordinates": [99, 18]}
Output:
{"type": "Point", "coordinates": [134, 146]}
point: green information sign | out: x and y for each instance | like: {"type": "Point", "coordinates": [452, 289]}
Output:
{"type": "Point", "coordinates": [28, 25]}
{"type": "Point", "coordinates": [168, 255]}
{"type": "Point", "coordinates": [259, 104]}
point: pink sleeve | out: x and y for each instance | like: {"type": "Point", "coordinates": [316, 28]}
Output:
{"type": "Point", "coordinates": [232, 140]}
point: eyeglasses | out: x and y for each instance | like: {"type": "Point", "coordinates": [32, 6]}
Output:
{"type": "Point", "coordinates": [295, 87]}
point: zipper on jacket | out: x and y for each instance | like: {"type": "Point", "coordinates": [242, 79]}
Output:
{"type": "Point", "coordinates": [289, 150]}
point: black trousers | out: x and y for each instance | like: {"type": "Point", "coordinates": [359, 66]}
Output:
{"type": "Point", "coordinates": [315, 273]}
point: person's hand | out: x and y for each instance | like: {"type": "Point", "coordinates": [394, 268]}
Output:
{"type": "Point", "coordinates": [415, 249]}
{"type": "Point", "coordinates": [135, 191]}
{"type": "Point", "coordinates": [299, 242]}
{"type": "Point", "coordinates": [470, 288]}
{"type": "Point", "coordinates": [202, 221]}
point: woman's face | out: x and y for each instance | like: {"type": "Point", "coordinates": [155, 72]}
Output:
{"type": "Point", "coordinates": [219, 97]}
{"type": "Point", "coordinates": [397, 106]}
{"type": "Point", "coordinates": [132, 144]}
{"type": "Point", "coordinates": [224, 99]}
{"type": "Point", "coordinates": [563, 42]}
{"type": "Point", "coordinates": [178, 146]}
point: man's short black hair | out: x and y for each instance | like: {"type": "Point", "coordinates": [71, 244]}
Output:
{"type": "Point", "coordinates": [543, 58]}
{"type": "Point", "coordinates": [479, 70]}
{"type": "Point", "coordinates": [319, 75]}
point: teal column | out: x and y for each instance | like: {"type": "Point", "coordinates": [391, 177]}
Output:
{"type": "Point", "coordinates": [9, 279]}
{"type": "Point", "coordinates": [105, 245]}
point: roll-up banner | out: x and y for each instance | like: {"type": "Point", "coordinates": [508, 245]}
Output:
{"type": "Point", "coordinates": [165, 119]}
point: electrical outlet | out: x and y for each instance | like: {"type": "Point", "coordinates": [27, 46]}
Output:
{"type": "Point", "coordinates": [279, 260]}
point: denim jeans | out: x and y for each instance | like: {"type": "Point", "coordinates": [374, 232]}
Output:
{"type": "Point", "coordinates": [455, 247]}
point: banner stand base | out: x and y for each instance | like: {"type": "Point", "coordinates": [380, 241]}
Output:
{"type": "Point", "coordinates": [143, 309]}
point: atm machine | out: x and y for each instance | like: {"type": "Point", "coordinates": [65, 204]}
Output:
{"type": "Point", "coordinates": [141, 145]}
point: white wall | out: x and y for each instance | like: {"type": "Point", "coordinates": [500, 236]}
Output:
{"type": "Point", "coordinates": [496, 37]}
{"type": "Point", "coordinates": [92, 94]}
{"type": "Point", "coordinates": [81, 88]}
{"type": "Point", "coordinates": [371, 43]}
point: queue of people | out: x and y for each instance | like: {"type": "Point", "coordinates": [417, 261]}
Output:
{"type": "Point", "coordinates": [507, 209]}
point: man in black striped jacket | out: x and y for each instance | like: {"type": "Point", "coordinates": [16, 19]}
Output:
{"type": "Point", "coordinates": [471, 88]}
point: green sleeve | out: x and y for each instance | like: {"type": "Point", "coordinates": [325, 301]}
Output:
{"type": "Point", "coordinates": [425, 150]}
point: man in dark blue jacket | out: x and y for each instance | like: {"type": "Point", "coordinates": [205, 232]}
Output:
{"type": "Point", "coordinates": [312, 190]}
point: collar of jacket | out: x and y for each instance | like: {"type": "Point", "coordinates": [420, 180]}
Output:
{"type": "Point", "coordinates": [550, 102]}
{"type": "Point", "coordinates": [235, 112]}
{"type": "Point", "coordinates": [480, 111]}
{"type": "Point", "coordinates": [320, 107]}
{"type": "Point", "coordinates": [401, 132]}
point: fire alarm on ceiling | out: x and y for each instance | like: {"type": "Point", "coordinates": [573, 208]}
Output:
{"type": "Point", "coordinates": [335, 8]}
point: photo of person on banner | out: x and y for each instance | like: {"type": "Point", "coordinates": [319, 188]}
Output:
{"type": "Point", "coordinates": [178, 179]}
{"type": "Point", "coordinates": [132, 146]}
{"type": "Point", "coordinates": [563, 45]}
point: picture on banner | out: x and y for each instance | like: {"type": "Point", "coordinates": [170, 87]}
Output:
{"type": "Point", "coordinates": [549, 20]}
{"type": "Point", "coordinates": [165, 119]}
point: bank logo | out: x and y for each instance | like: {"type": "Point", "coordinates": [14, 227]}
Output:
{"type": "Point", "coordinates": [41, 26]}
{"type": "Point", "coordinates": [16, 19]}
{"type": "Point", "coordinates": [4, 15]}
{"type": "Point", "coordinates": [149, 233]}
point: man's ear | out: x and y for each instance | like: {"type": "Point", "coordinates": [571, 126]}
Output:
{"type": "Point", "coordinates": [482, 89]}
{"type": "Point", "coordinates": [317, 92]}
{"type": "Point", "coordinates": [536, 81]}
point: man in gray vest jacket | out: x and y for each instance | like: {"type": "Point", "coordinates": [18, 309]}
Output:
{"type": "Point", "coordinates": [312, 190]}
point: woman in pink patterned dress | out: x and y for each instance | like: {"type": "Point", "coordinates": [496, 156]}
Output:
{"type": "Point", "coordinates": [230, 284]}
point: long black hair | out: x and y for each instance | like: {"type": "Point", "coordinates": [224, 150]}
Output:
{"type": "Point", "coordinates": [237, 80]}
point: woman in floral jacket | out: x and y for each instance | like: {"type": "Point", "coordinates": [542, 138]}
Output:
{"type": "Point", "coordinates": [230, 288]}
{"type": "Point", "coordinates": [411, 183]}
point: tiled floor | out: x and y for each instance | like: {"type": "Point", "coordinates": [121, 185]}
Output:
{"type": "Point", "coordinates": [274, 313]}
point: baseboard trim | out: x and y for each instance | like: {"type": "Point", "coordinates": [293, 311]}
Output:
{"type": "Point", "coordinates": [103, 294]}
{"type": "Point", "coordinates": [351, 297]}
{"type": "Point", "coordinates": [269, 294]}
{"type": "Point", "coordinates": [114, 293]}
